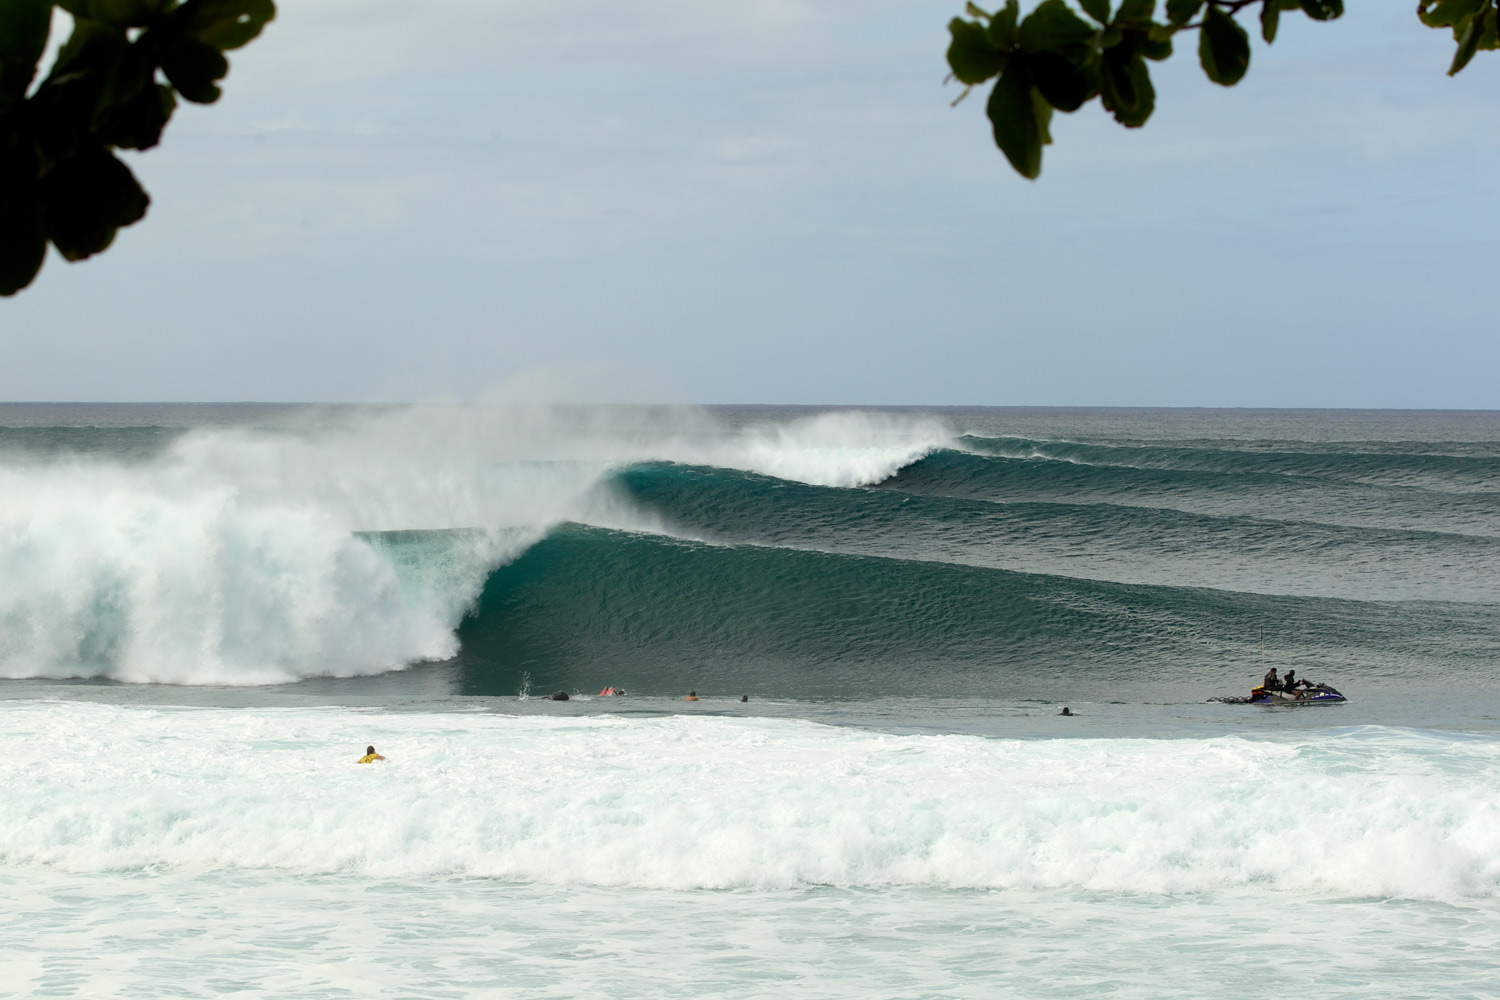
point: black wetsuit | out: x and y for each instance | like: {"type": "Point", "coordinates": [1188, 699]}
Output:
{"type": "Point", "coordinates": [1270, 683]}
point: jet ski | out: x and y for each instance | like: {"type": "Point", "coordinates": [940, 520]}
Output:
{"type": "Point", "coordinates": [1318, 694]}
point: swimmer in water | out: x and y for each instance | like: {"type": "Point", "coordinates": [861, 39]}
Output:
{"type": "Point", "coordinates": [691, 696]}
{"type": "Point", "coordinates": [370, 756]}
{"type": "Point", "coordinates": [1065, 711]}
{"type": "Point", "coordinates": [744, 697]}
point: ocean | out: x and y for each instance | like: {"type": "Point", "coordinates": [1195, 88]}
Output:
{"type": "Point", "coordinates": [207, 612]}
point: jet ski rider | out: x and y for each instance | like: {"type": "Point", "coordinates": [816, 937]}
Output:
{"type": "Point", "coordinates": [1292, 684]}
{"type": "Point", "coordinates": [1271, 682]}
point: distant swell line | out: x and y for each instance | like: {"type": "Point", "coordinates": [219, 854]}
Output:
{"type": "Point", "coordinates": [1346, 465]}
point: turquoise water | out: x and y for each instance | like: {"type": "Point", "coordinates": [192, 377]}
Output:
{"type": "Point", "coordinates": [206, 614]}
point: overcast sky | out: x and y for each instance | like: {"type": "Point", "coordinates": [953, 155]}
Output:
{"type": "Point", "coordinates": [772, 201]}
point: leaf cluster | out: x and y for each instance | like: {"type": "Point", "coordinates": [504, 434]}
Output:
{"type": "Point", "coordinates": [1474, 24]}
{"type": "Point", "coordinates": [114, 85]}
{"type": "Point", "coordinates": [1058, 59]}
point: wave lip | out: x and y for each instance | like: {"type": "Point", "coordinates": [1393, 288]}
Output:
{"type": "Point", "coordinates": [693, 802]}
{"type": "Point", "coordinates": [844, 448]}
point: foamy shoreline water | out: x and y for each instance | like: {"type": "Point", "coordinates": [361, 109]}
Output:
{"type": "Point", "coordinates": [266, 935]}
{"type": "Point", "coordinates": [243, 850]}
{"type": "Point", "coordinates": [716, 803]}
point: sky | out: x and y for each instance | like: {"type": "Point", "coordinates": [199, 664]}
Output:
{"type": "Point", "coordinates": [773, 202]}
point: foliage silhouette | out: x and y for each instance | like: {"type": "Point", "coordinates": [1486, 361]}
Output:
{"type": "Point", "coordinates": [1053, 59]}
{"type": "Point", "coordinates": [114, 84]}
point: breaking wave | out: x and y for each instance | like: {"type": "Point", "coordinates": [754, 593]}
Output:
{"type": "Point", "coordinates": [240, 556]}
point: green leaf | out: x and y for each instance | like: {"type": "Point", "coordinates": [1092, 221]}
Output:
{"type": "Point", "coordinates": [64, 108]}
{"type": "Point", "coordinates": [138, 124]}
{"type": "Point", "coordinates": [193, 68]}
{"type": "Point", "coordinates": [1468, 43]}
{"type": "Point", "coordinates": [23, 36]}
{"type": "Point", "coordinates": [1053, 27]}
{"type": "Point", "coordinates": [1180, 12]}
{"type": "Point", "coordinates": [1270, 18]}
{"type": "Point", "coordinates": [23, 244]}
{"type": "Point", "coordinates": [1134, 12]}
{"type": "Point", "coordinates": [86, 199]}
{"type": "Point", "coordinates": [1223, 48]}
{"type": "Point", "coordinates": [1097, 9]}
{"type": "Point", "coordinates": [1447, 13]}
{"type": "Point", "coordinates": [970, 56]}
{"type": "Point", "coordinates": [1020, 125]}
{"type": "Point", "coordinates": [1489, 38]}
{"type": "Point", "coordinates": [131, 71]}
{"type": "Point", "coordinates": [1125, 86]}
{"type": "Point", "coordinates": [229, 24]}
{"type": "Point", "coordinates": [116, 13]}
{"type": "Point", "coordinates": [90, 51]}
{"type": "Point", "coordinates": [1043, 112]}
{"type": "Point", "coordinates": [1154, 44]}
{"type": "Point", "coordinates": [1002, 30]}
{"type": "Point", "coordinates": [1065, 86]}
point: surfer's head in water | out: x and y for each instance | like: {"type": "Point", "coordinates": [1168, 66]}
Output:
{"type": "Point", "coordinates": [744, 697]}
{"type": "Point", "coordinates": [1066, 711]}
{"type": "Point", "coordinates": [370, 756]}
{"type": "Point", "coordinates": [691, 696]}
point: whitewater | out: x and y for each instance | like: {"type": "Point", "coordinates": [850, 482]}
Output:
{"type": "Point", "coordinates": [208, 612]}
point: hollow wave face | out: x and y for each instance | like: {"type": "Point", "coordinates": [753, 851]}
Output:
{"type": "Point", "coordinates": [657, 614]}
{"type": "Point", "coordinates": [680, 802]}
{"type": "Point", "coordinates": [338, 546]}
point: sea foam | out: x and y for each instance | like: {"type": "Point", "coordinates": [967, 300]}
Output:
{"type": "Point", "coordinates": [705, 802]}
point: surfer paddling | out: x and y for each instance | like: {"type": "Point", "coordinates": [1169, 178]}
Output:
{"type": "Point", "coordinates": [370, 756]}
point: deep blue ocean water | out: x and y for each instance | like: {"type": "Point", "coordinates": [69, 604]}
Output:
{"type": "Point", "coordinates": [207, 612]}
